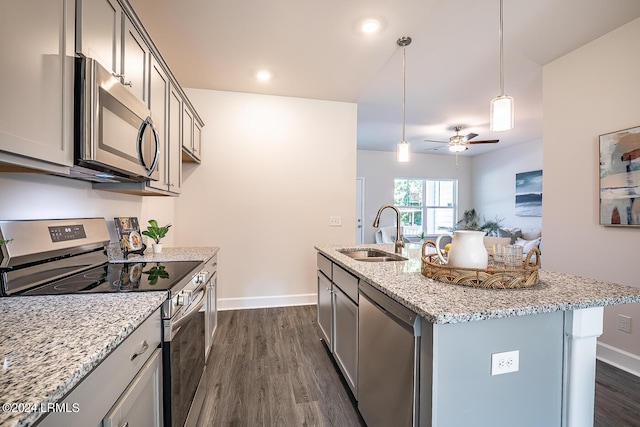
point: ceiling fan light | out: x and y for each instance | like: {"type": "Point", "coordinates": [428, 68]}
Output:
{"type": "Point", "coordinates": [403, 151]}
{"type": "Point", "coordinates": [501, 113]}
{"type": "Point", "coordinates": [457, 148]}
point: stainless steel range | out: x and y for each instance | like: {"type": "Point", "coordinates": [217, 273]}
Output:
{"type": "Point", "coordinates": [69, 256]}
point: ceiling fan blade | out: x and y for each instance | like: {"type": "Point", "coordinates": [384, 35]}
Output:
{"type": "Point", "coordinates": [433, 140]}
{"type": "Point", "coordinates": [489, 141]}
{"type": "Point", "coordinates": [470, 136]}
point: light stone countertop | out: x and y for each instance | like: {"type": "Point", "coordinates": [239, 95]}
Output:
{"type": "Point", "coordinates": [168, 254]}
{"type": "Point", "coordinates": [439, 302]}
{"type": "Point", "coordinates": [48, 344]}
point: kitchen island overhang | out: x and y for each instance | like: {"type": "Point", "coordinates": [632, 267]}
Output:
{"type": "Point", "coordinates": [554, 326]}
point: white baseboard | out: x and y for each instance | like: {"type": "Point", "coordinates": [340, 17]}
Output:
{"type": "Point", "coordinates": [621, 359]}
{"type": "Point", "coordinates": [266, 302]}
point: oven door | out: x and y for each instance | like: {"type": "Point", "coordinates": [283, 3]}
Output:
{"type": "Point", "coordinates": [183, 362]}
{"type": "Point", "coordinates": [117, 133]}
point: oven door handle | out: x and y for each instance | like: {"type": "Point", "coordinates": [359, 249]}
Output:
{"type": "Point", "coordinates": [196, 306]}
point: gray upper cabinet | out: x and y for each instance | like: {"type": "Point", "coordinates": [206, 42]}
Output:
{"type": "Point", "coordinates": [175, 140]}
{"type": "Point", "coordinates": [159, 105]}
{"type": "Point", "coordinates": [99, 32]}
{"type": "Point", "coordinates": [36, 83]}
{"type": "Point", "coordinates": [191, 136]}
{"type": "Point", "coordinates": [107, 34]}
{"type": "Point", "coordinates": [41, 40]}
{"type": "Point", "coordinates": [166, 106]}
{"type": "Point", "coordinates": [135, 61]}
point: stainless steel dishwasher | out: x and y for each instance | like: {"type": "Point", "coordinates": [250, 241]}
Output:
{"type": "Point", "coordinates": [388, 360]}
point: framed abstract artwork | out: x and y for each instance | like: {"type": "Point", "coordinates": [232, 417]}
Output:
{"type": "Point", "coordinates": [620, 178]}
{"type": "Point", "coordinates": [529, 193]}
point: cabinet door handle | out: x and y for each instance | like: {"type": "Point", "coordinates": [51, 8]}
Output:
{"type": "Point", "coordinates": [145, 347]}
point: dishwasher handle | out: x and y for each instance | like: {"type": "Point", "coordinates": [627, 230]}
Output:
{"type": "Point", "coordinates": [391, 308]}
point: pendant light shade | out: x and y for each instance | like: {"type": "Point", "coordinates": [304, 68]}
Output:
{"type": "Point", "coordinates": [502, 113]}
{"type": "Point", "coordinates": [502, 116]}
{"type": "Point", "coordinates": [404, 151]}
{"type": "Point", "coordinates": [404, 148]}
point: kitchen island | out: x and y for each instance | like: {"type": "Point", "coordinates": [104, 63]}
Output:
{"type": "Point", "coordinates": [553, 326]}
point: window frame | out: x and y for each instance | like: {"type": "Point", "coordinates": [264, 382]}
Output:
{"type": "Point", "coordinates": [424, 207]}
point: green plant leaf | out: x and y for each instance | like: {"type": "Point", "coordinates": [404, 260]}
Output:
{"type": "Point", "coordinates": [155, 232]}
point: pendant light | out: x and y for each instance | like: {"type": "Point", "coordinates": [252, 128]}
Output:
{"type": "Point", "coordinates": [404, 148]}
{"type": "Point", "coordinates": [501, 106]}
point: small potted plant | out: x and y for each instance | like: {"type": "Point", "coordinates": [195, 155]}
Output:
{"type": "Point", "coordinates": [156, 233]}
{"type": "Point", "coordinates": [4, 242]}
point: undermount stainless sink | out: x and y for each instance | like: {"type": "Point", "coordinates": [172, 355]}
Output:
{"type": "Point", "coordinates": [371, 255]}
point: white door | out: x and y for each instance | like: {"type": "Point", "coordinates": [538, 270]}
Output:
{"type": "Point", "coordinates": [359, 211]}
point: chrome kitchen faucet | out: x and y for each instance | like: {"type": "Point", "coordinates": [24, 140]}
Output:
{"type": "Point", "coordinates": [376, 223]}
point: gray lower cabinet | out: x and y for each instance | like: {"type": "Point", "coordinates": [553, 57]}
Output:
{"type": "Point", "coordinates": [36, 83]}
{"type": "Point", "coordinates": [338, 317]}
{"type": "Point", "coordinates": [126, 386]}
{"type": "Point", "coordinates": [325, 309]}
{"type": "Point", "coordinates": [345, 339]}
{"type": "Point", "coordinates": [140, 404]}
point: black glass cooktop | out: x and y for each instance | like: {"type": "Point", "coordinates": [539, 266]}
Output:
{"type": "Point", "coordinates": [125, 277]}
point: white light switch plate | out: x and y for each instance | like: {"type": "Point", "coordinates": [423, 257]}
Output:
{"type": "Point", "coordinates": [335, 221]}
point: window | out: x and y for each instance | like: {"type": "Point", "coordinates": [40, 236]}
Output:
{"type": "Point", "coordinates": [426, 205]}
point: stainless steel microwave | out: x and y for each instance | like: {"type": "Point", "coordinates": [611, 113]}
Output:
{"type": "Point", "coordinates": [115, 139]}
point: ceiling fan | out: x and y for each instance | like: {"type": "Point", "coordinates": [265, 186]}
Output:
{"type": "Point", "coordinates": [458, 143]}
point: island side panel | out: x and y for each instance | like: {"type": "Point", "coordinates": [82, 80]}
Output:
{"type": "Point", "coordinates": [582, 329]}
{"type": "Point", "coordinates": [463, 391]}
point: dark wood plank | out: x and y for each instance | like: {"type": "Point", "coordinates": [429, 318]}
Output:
{"type": "Point", "coordinates": [617, 400]}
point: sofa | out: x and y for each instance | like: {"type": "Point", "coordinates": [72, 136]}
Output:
{"type": "Point", "coordinates": [528, 238]}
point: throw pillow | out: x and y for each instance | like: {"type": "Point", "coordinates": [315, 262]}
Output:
{"type": "Point", "coordinates": [513, 234]}
{"type": "Point", "coordinates": [527, 245]}
{"type": "Point", "coordinates": [531, 233]}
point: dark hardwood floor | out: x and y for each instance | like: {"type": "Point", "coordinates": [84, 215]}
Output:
{"type": "Point", "coordinates": [617, 397]}
{"type": "Point", "coordinates": [269, 368]}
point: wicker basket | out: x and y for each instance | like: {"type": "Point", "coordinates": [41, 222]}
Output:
{"type": "Point", "coordinates": [493, 277]}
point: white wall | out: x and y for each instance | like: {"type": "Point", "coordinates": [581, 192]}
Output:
{"type": "Point", "coordinates": [591, 91]}
{"type": "Point", "coordinates": [38, 196]}
{"type": "Point", "coordinates": [274, 169]}
{"type": "Point", "coordinates": [379, 168]}
{"type": "Point", "coordinates": [494, 182]}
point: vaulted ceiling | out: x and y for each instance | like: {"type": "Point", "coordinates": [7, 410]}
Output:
{"type": "Point", "coordinates": [314, 49]}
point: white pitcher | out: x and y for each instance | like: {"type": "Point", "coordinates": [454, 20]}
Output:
{"type": "Point", "coordinates": [467, 249]}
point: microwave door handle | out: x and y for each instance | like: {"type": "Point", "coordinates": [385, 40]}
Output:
{"type": "Point", "coordinates": [156, 157]}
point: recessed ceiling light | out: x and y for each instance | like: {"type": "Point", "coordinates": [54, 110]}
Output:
{"type": "Point", "coordinates": [263, 75]}
{"type": "Point", "coordinates": [370, 26]}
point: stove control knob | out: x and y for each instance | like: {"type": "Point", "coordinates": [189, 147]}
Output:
{"type": "Point", "coordinates": [201, 278]}
{"type": "Point", "coordinates": [184, 298]}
